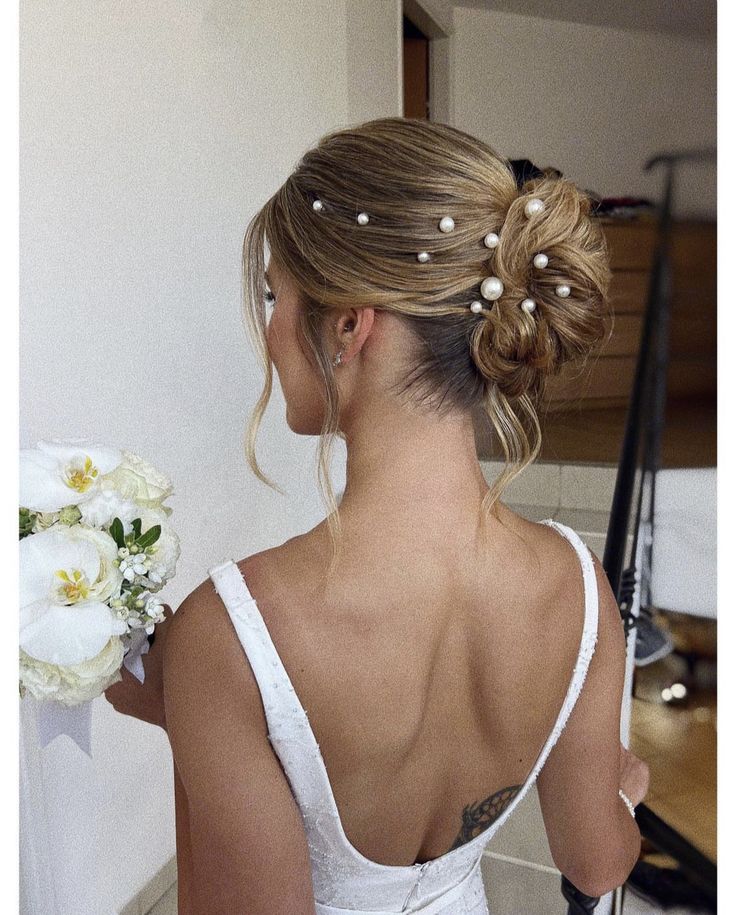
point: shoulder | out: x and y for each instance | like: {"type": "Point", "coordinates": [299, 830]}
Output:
{"type": "Point", "coordinates": [204, 660]}
{"type": "Point", "coordinates": [203, 651]}
{"type": "Point", "coordinates": [202, 620]}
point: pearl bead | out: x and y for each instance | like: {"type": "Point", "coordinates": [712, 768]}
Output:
{"type": "Point", "coordinates": [447, 224]}
{"type": "Point", "coordinates": [528, 305]}
{"type": "Point", "coordinates": [423, 257]}
{"type": "Point", "coordinates": [476, 307]}
{"type": "Point", "coordinates": [317, 205]}
{"type": "Point", "coordinates": [491, 288]}
{"type": "Point", "coordinates": [363, 219]}
{"type": "Point", "coordinates": [563, 291]}
{"type": "Point", "coordinates": [491, 240]}
{"type": "Point", "coordinates": [541, 260]}
{"type": "Point", "coordinates": [535, 205]}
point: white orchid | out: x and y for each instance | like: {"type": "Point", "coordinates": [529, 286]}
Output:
{"type": "Point", "coordinates": [56, 474]}
{"type": "Point", "coordinates": [67, 574]}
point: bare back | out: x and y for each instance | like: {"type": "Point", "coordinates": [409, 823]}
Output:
{"type": "Point", "coordinates": [431, 681]}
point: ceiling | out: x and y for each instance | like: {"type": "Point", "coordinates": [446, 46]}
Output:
{"type": "Point", "coordinates": [689, 18]}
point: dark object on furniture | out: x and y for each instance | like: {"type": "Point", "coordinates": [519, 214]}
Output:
{"type": "Point", "coordinates": [667, 887]}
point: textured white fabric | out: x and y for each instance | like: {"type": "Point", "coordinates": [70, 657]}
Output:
{"type": "Point", "coordinates": [684, 545]}
{"type": "Point", "coordinates": [344, 880]}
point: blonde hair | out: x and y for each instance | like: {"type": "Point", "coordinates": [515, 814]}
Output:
{"type": "Point", "coordinates": [406, 174]}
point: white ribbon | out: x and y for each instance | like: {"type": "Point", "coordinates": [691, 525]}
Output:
{"type": "Point", "coordinates": [138, 646]}
{"type": "Point", "coordinates": [75, 721]}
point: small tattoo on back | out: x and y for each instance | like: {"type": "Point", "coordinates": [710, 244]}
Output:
{"type": "Point", "coordinates": [479, 816]}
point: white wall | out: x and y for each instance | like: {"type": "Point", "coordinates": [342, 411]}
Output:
{"type": "Point", "coordinates": [150, 133]}
{"type": "Point", "coordinates": [594, 102]}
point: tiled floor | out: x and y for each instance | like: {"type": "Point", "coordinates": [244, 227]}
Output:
{"type": "Point", "coordinates": [635, 906]}
{"type": "Point", "coordinates": [166, 905]}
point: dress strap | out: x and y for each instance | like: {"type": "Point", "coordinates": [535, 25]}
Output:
{"type": "Point", "coordinates": [289, 730]}
{"type": "Point", "coordinates": [280, 702]}
{"type": "Point", "coordinates": [590, 631]}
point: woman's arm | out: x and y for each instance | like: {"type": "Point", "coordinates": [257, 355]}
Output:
{"type": "Point", "coordinates": [594, 840]}
{"type": "Point", "coordinates": [246, 844]}
{"type": "Point", "coordinates": [184, 864]}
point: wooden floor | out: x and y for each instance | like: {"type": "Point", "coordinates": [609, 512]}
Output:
{"type": "Point", "coordinates": [678, 743]}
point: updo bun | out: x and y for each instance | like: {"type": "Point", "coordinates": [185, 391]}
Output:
{"type": "Point", "coordinates": [517, 350]}
{"type": "Point", "coordinates": [393, 214]}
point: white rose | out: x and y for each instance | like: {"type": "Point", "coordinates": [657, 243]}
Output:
{"type": "Point", "coordinates": [74, 683]}
{"type": "Point", "coordinates": [137, 480]}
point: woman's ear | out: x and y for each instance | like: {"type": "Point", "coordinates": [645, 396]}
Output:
{"type": "Point", "coordinates": [352, 329]}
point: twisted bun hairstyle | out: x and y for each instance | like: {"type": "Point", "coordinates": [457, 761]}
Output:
{"type": "Point", "coordinates": [407, 174]}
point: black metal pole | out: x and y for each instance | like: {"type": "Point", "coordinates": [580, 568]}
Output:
{"type": "Point", "coordinates": [647, 403]}
{"type": "Point", "coordinates": [661, 346]}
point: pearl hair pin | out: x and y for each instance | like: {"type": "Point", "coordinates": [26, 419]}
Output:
{"type": "Point", "coordinates": [491, 288]}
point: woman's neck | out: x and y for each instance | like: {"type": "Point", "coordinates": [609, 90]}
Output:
{"type": "Point", "coordinates": [421, 467]}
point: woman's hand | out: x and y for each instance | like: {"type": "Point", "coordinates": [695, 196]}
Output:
{"type": "Point", "coordinates": [633, 776]}
{"type": "Point", "coordinates": [144, 700]}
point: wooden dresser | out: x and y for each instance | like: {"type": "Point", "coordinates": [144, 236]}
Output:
{"type": "Point", "coordinates": [606, 379]}
{"type": "Point", "coordinates": [583, 416]}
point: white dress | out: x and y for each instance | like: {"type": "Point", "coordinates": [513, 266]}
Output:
{"type": "Point", "coordinates": [345, 882]}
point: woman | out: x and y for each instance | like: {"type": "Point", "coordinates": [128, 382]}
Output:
{"type": "Point", "coordinates": [353, 713]}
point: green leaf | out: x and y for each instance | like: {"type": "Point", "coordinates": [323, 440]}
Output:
{"type": "Point", "coordinates": [26, 519]}
{"type": "Point", "coordinates": [116, 532]}
{"type": "Point", "coordinates": [136, 527]}
{"type": "Point", "coordinates": [151, 536]}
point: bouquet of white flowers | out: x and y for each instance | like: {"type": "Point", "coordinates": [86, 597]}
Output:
{"type": "Point", "coordinates": [95, 547]}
